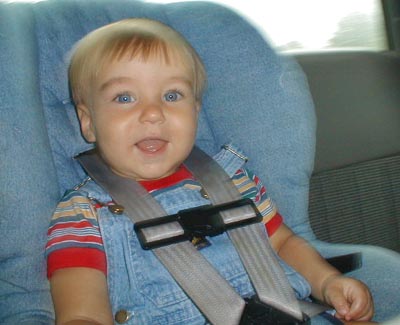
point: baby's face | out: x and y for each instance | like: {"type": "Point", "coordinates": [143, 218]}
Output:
{"type": "Point", "coordinates": [142, 116]}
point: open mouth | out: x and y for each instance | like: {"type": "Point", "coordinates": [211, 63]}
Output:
{"type": "Point", "coordinates": [151, 146]}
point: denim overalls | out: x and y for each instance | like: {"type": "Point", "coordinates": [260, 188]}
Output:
{"type": "Point", "coordinates": [141, 290]}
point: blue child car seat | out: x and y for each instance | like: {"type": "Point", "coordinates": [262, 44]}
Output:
{"type": "Point", "coordinates": [255, 98]}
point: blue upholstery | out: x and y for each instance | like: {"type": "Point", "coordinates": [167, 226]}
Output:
{"type": "Point", "coordinates": [256, 99]}
{"type": "Point", "coordinates": [40, 135]}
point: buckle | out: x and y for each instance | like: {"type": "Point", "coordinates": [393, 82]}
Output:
{"type": "Point", "coordinates": [200, 221]}
{"type": "Point", "coordinates": [256, 312]}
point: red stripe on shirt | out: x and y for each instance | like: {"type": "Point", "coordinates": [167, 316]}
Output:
{"type": "Point", "coordinates": [181, 174]}
{"type": "Point", "coordinates": [76, 257]}
{"type": "Point", "coordinates": [70, 224]}
{"type": "Point", "coordinates": [273, 224]}
{"type": "Point", "coordinates": [81, 239]}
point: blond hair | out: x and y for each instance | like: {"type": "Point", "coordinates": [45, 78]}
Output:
{"type": "Point", "coordinates": [136, 38]}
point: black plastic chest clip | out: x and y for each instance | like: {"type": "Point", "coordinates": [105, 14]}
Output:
{"type": "Point", "coordinates": [197, 222]}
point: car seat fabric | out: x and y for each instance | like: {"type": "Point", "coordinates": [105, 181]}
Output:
{"type": "Point", "coordinates": [256, 99]}
{"type": "Point", "coordinates": [28, 180]}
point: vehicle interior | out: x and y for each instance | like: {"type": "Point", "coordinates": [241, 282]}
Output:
{"type": "Point", "coordinates": [325, 130]}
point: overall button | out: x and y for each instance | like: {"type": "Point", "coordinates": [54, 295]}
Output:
{"type": "Point", "coordinates": [122, 316]}
{"type": "Point", "coordinates": [116, 209]}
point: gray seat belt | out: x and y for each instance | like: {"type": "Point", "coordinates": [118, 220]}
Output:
{"type": "Point", "coordinates": [211, 293]}
{"type": "Point", "coordinates": [257, 255]}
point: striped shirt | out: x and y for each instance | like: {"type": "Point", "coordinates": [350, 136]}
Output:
{"type": "Point", "coordinates": [74, 236]}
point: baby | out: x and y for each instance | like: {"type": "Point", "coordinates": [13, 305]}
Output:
{"type": "Point", "coordinates": [137, 85]}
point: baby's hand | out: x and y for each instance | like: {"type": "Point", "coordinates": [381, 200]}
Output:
{"type": "Point", "coordinates": [350, 298]}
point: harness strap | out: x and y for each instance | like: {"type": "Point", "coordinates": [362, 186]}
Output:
{"type": "Point", "coordinates": [251, 242]}
{"type": "Point", "coordinates": [211, 293]}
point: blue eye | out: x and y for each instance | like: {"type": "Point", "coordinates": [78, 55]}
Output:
{"type": "Point", "coordinates": [172, 96]}
{"type": "Point", "coordinates": [124, 99]}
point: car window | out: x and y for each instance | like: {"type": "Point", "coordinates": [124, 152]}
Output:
{"type": "Point", "coordinates": [314, 25]}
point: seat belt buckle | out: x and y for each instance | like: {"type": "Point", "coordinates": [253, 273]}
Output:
{"type": "Point", "coordinates": [256, 312]}
{"type": "Point", "coordinates": [200, 221]}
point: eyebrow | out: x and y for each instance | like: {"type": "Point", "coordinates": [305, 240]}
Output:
{"type": "Point", "coordinates": [113, 81]}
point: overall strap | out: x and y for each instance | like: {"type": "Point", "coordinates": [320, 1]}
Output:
{"type": "Point", "coordinates": [210, 292]}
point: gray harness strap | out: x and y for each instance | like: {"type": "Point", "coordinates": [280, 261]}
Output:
{"type": "Point", "coordinates": [251, 242]}
{"type": "Point", "coordinates": [211, 293]}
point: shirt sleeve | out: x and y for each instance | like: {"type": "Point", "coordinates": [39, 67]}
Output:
{"type": "Point", "coordinates": [73, 237]}
{"type": "Point", "coordinates": [250, 186]}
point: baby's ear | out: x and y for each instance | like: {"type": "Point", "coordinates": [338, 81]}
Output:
{"type": "Point", "coordinates": [85, 119]}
